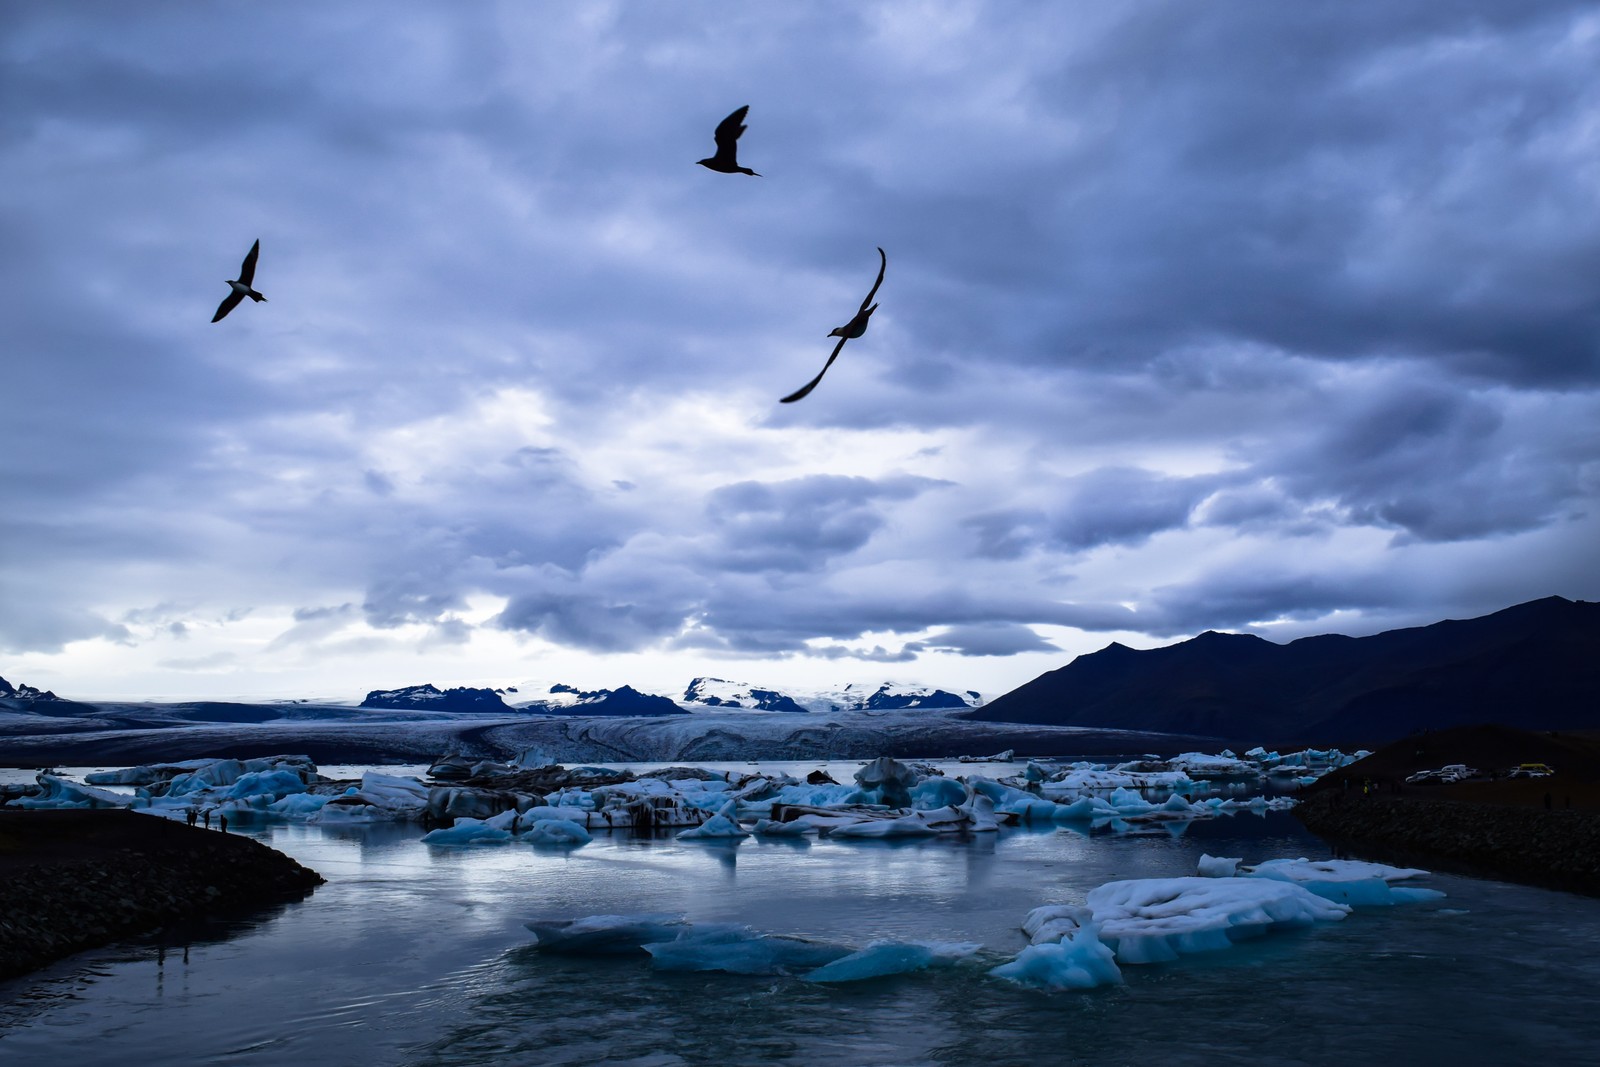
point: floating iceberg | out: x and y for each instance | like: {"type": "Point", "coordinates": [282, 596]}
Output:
{"type": "Point", "coordinates": [467, 832]}
{"type": "Point", "coordinates": [722, 825]}
{"type": "Point", "coordinates": [1353, 882]}
{"type": "Point", "coordinates": [1218, 866]}
{"type": "Point", "coordinates": [556, 832]}
{"type": "Point", "coordinates": [57, 792]}
{"type": "Point", "coordinates": [740, 950]}
{"type": "Point", "coordinates": [379, 798]}
{"type": "Point", "coordinates": [1066, 951]}
{"type": "Point", "coordinates": [882, 958]}
{"type": "Point", "coordinates": [1152, 920]}
{"type": "Point", "coordinates": [605, 935]}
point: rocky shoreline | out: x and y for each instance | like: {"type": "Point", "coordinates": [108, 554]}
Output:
{"type": "Point", "coordinates": [75, 880]}
{"type": "Point", "coordinates": [1557, 848]}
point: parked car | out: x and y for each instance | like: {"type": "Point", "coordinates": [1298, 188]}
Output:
{"type": "Point", "coordinates": [1532, 770]}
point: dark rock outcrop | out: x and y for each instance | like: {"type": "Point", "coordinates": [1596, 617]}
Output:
{"type": "Point", "coordinates": [74, 880]}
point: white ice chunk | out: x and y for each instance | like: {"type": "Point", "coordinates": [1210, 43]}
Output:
{"type": "Point", "coordinates": [1218, 866]}
{"type": "Point", "coordinates": [1151, 920]}
{"type": "Point", "coordinates": [1052, 922]}
{"type": "Point", "coordinates": [882, 958]}
{"type": "Point", "coordinates": [722, 825]}
{"type": "Point", "coordinates": [1353, 882]}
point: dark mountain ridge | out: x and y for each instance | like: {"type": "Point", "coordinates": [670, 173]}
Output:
{"type": "Point", "coordinates": [1535, 665]}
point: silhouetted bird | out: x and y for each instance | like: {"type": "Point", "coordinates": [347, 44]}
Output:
{"type": "Point", "coordinates": [726, 161]}
{"type": "Point", "coordinates": [854, 328]}
{"type": "Point", "coordinates": [242, 286]}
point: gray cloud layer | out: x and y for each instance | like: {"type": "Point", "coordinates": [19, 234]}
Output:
{"type": "Point", "coordinates": [1195, 316]}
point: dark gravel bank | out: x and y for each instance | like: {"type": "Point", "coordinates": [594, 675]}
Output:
{"type": "Point", "coordinates": [1559, 848]}
{"type": "Point", "coordinates": [74, 880]}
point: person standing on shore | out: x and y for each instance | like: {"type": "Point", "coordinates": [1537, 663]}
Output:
{"type": "Point", "coordinates": [223, 822]}
{"type": "Point", "coordinates": [207, 816]}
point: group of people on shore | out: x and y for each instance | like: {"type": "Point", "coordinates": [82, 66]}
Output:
{"type": "Point", "coordinates": [194, 814]}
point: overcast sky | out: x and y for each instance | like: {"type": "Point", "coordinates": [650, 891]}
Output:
{"type": "Point", "coordinates": [1280, 318]}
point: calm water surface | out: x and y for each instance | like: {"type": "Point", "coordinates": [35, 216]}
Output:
{"type": "Point", "coordinates": [413, 954]}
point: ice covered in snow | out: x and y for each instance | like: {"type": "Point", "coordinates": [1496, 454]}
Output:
{"type": "Point", "coordinates": [723, 825]}
{"type": "Point", "coordinates": [1354, 882]}
{"type": "Point", "coordinates": [881, 958]}
{"type": "Point", "coordinates": [1150, 920]}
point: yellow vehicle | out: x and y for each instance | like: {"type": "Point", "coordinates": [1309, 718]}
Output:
{"type": "Point", "coordinates": [1532, 770]}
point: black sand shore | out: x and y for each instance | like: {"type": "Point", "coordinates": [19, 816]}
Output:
{"type": "Point", "coordinates": [74, 880]}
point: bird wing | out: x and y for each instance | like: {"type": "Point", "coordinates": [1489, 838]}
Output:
{"type": "Point", "coordinates": [882, 267]}
{"type": "Point", "coordinates": [229, 302]}
{"type": "Point", "coordinates": [247, 270]}
{"type": "Point", "coordinates": [728, 131]}
{"type": "Point", "coordinates": [800, 393]}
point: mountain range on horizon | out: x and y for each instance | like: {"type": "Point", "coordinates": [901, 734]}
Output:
{"type": "Point", "coordinates": [702, 694]}
{"type": "Point", "coordinates": [1535, 665]}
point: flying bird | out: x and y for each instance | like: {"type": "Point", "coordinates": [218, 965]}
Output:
{"type": "Point", "coordinates": [242, 285]}
{"type": "Point", "coordinates": [726, 161]}
{"type": "Point", "coordinates": [854, 328]}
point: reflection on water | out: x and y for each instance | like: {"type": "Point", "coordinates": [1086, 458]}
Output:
{"type": "Point", "coordinates": [417, 954]}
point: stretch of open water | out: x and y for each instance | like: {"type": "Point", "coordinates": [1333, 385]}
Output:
{"type": "Point", "coordinates": [414, 954]}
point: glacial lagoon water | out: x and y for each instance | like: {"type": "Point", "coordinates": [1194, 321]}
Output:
{"type": "Point", "coordinates": [415, 954]}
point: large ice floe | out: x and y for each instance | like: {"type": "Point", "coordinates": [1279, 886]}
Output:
{"type": "Point", "coordinates": [1154, 920]}
{"type": "Point", "coordinates": [1353, 882]}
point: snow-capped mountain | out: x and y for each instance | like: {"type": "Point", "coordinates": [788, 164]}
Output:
{"type": "Point", "coordinates": [887, 697]}
{"type": "Point", "coordinates": [428, 697]}
{"type": "Point", "coordinates": [24, 693]}
{"type": "Point", "coordinates": [722, 694]}
{"type": "Point", "coordinates": [625, 700]}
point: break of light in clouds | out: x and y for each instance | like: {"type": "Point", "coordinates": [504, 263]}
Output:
{"type": "Point", "coordinates": [1277, 318]}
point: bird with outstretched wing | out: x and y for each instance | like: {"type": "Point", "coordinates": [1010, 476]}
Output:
{"type": "Point", "coordinates": [243, 285]}
{"type": "Point", "coordinates": [726, 159]}
{"type": "Point", "coordinates": [854, 328]}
